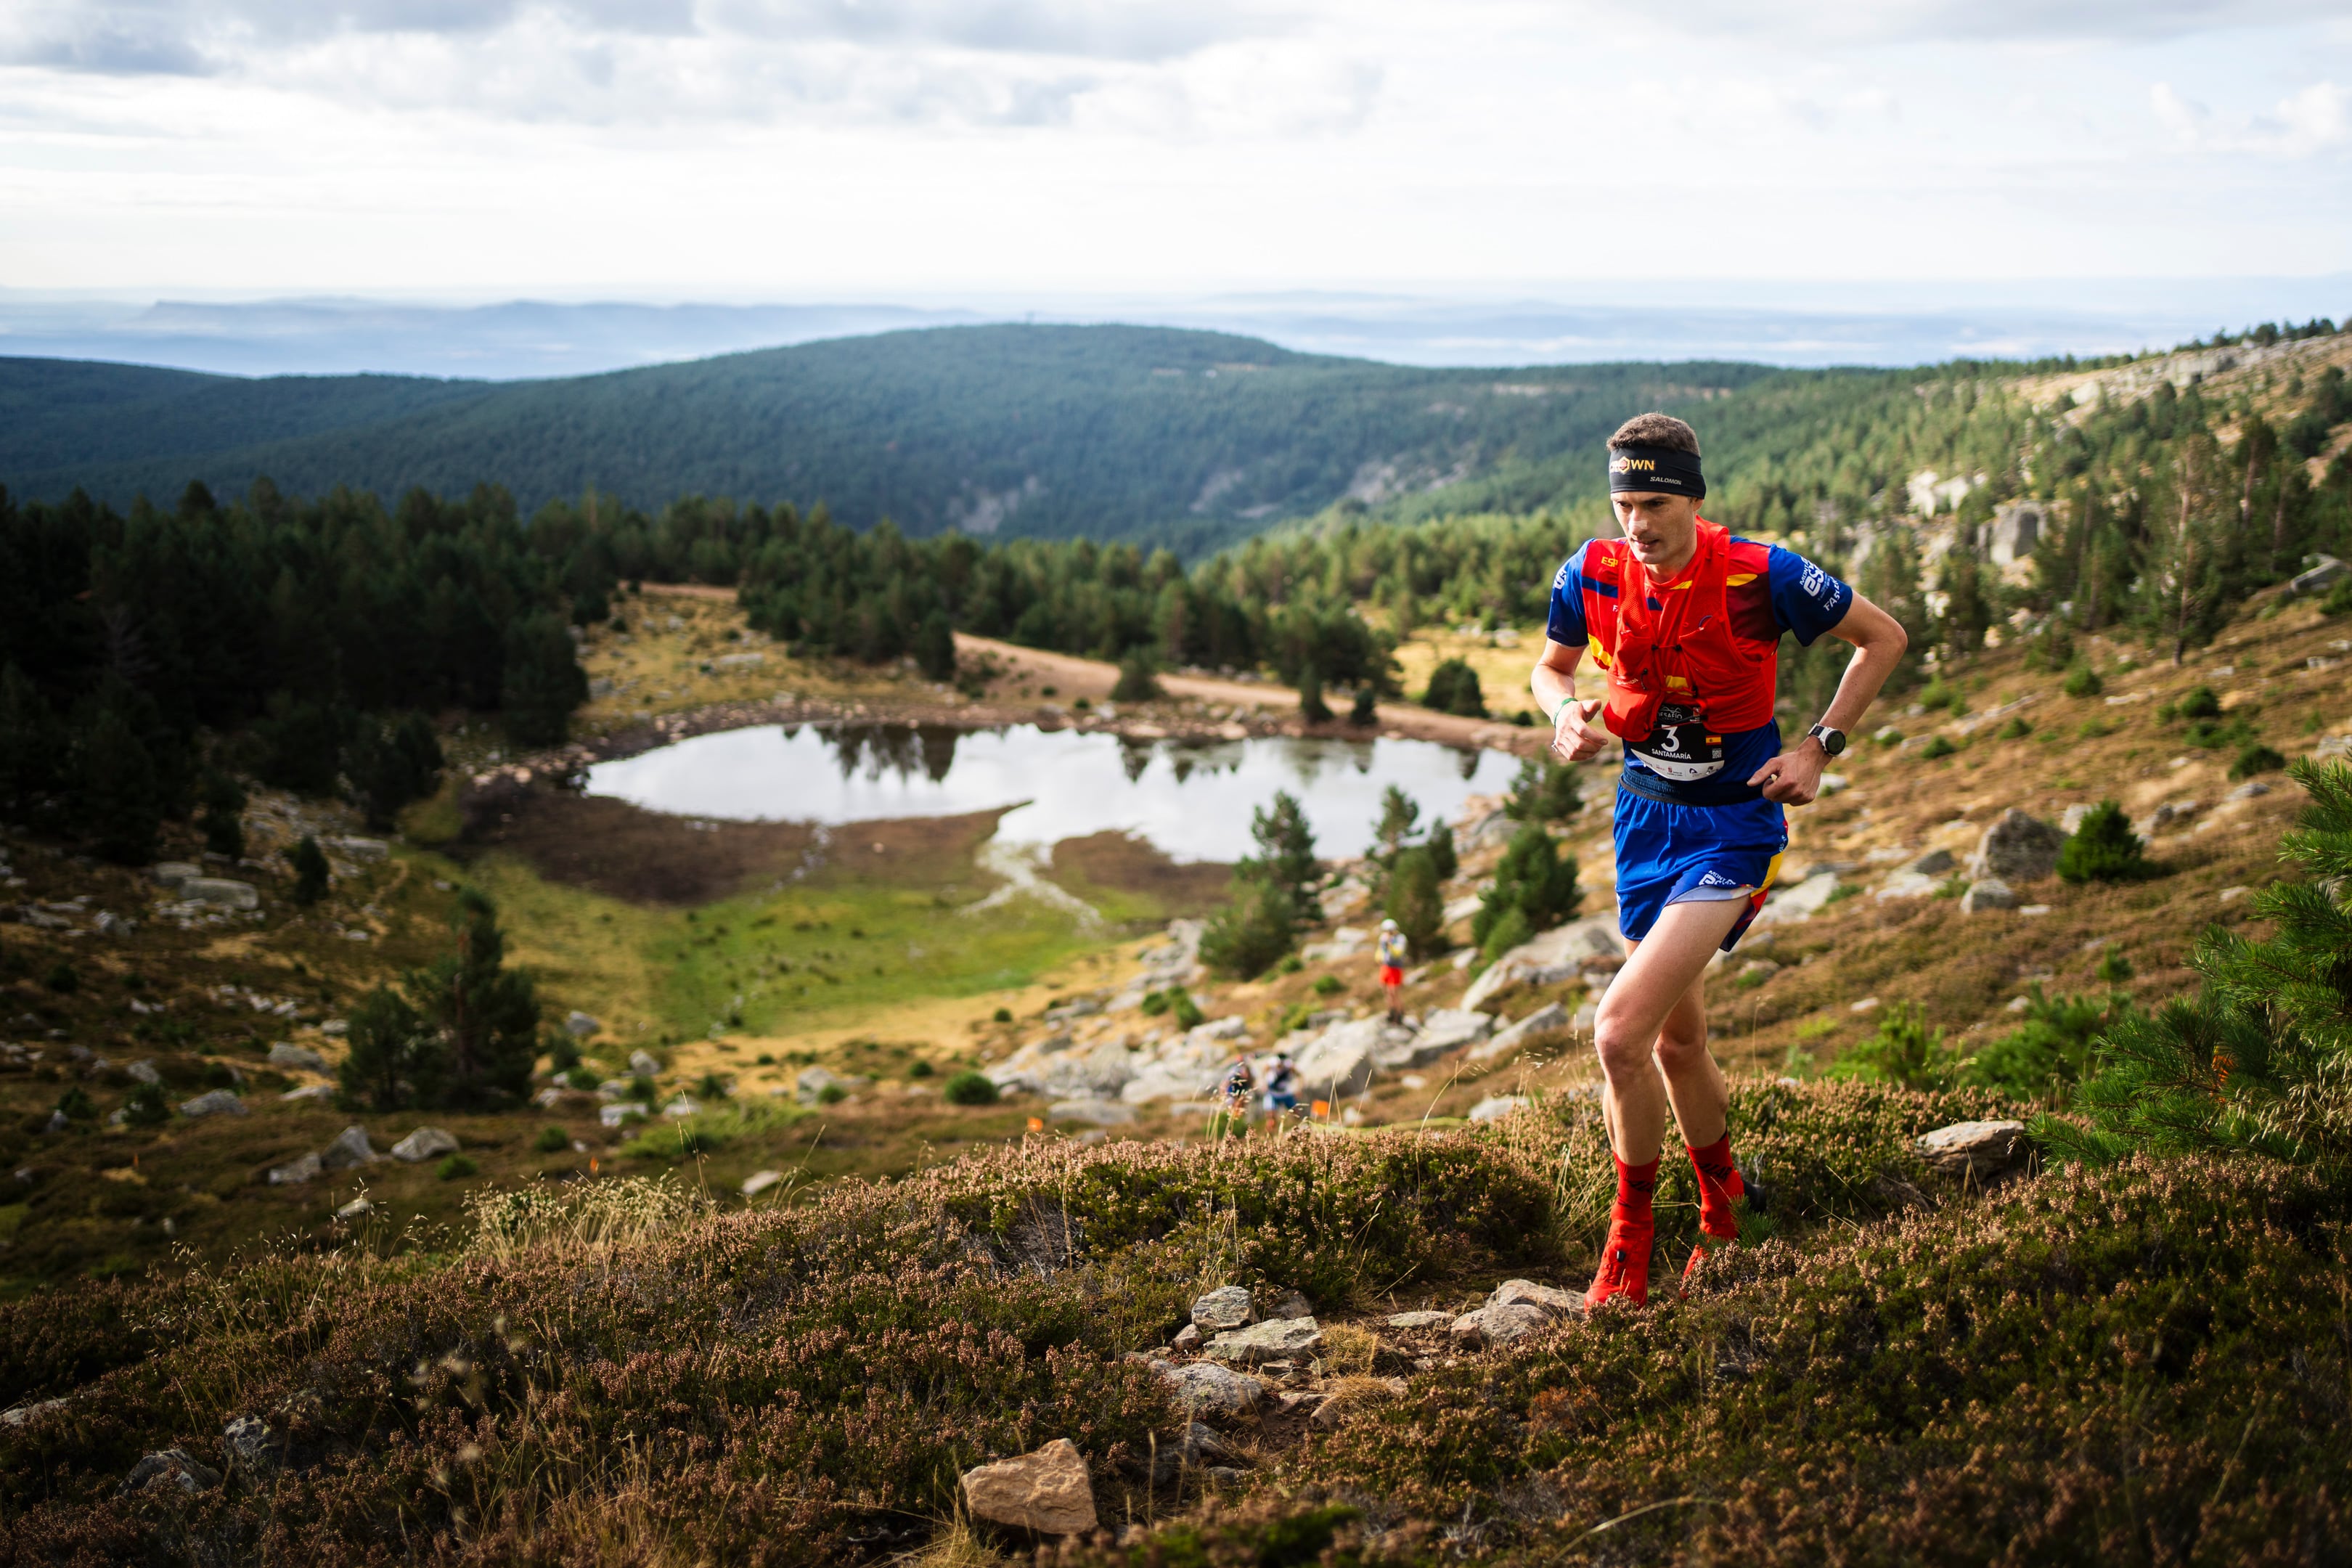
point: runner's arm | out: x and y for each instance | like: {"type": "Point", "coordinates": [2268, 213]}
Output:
{"type": "Point", "coordinates": [1574, 736]}
{"type": "Point", "coordinates": [1794, 777]}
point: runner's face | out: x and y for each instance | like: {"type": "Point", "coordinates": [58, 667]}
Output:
{"type": "Point", "coordinates": [1662, 528]}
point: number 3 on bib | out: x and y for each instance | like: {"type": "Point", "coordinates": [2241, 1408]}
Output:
{"type": "Point", "coordinates": [1681, 748]}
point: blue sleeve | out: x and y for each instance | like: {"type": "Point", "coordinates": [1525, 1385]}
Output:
{"type": "Point", "coordinates": [1567, 621]}
{"type": "Point", "coordinates": [1806, 600]}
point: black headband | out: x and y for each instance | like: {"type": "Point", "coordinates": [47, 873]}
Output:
{"type": "Point", "coordinates": [1655, 468]}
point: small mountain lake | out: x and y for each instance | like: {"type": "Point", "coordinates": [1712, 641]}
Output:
{"type": "Point", "coordinates": [1191, 799]}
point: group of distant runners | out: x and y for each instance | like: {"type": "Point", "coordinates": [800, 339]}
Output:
{"type": "Point", "coordinates": [1683, 621]}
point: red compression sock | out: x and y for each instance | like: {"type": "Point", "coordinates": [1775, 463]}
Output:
{"type": "Point", "coordinates": [1625, 1255]}
{"type": "Point", "coordinates": [1636, 1186]}
{"type": "Point", "coordinates": [1719, 1185]}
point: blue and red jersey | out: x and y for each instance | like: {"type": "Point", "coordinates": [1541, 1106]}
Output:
{"type": "Point", "coordinates": [1766, 591]}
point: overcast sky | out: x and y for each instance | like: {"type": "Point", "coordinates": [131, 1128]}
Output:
{"type": "Point", "coordinates": [772, 149]}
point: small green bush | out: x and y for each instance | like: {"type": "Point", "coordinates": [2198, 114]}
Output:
{"type": "Point", "coordinates": [2200, 703]}
{"type": "Point", "coordinates": [2105, 850]}
{"type": "Point", "coordinates": [146, 1106]}
{"type": "Point", "coordinates": [1311, 706]}
{"type": "Point", "coordinates": [1887, 736]}
{"type": "Point", "coordinates": [456, 1167]}
{"type": "Point", "coordinates": [1938, 694]}
{"type": "Point", "coordinates": [76, 1104]}
{"type": "Point", "coordinates": [1904, 1052]}
{"type": "Point", "coordinates": [310, 871]}
{"type": "Point", "coordinates": [1544, 791]}
{"type": "Point", "coordinates": [1364, 711]}
{"type": "Point", "coordinates": [1139, 677]}
{"type": "Point", "coordinates": [1186, 1012]}
{"type": "Point", "coordinates": [969, 1087]}
{"type": "Point", "coordinates": [1253, 931]}
{"type": "Point", "coordinates": [582, 1078]}
{"type": "Point", "coordinates": [2082, 682]}
{"type": "Point", "coordinates": [1327, 985]}
{"type": "Point", "coordinates": [921, 1068]}
{"type": "Point", "coordinates": [712, 1086]}
{"type": "Point", "coordinates": [832, 1094]}
{"type": "Point", "coordinates": [2256, 758]}
{"type": "Point", "coordinates": [2114, 968]}
{"type": "Point", "coordinates": [1937, 747]}
{"type": "Point", "coordinates": [1453, 689]}
{"type": "Point", "coordinates": [1004, 1014]}
{"type": "Point", "coordinates": [1416, 902]}
{"type": "Point", "coordinates": [552, 1141]}
{"type": "Point", "coordinates": [2015, 730]}
{"type": "Point", "coordinates": [1533, 878]}
{"type": "Point", "coordinates": [2339, 599]}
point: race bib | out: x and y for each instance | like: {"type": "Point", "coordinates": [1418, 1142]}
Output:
{"type": "Point", "coordinates": [1681, 748]}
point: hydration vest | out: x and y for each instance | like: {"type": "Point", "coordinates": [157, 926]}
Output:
{"type": "Point", "coordinates": [1680, 665]}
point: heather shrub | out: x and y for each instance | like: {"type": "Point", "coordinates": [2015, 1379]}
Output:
{"type": "Point", "coordinates": [969, 1087]}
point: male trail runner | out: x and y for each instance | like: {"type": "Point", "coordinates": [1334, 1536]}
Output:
{"type": "Point", "coordinates": [1685, 622]}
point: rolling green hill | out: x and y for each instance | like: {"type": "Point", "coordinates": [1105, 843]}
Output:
{"type": "Point", "coordinates": [1181, 437]}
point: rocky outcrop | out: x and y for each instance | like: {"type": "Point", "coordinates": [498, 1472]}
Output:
{"type": "Point", "coordinates": [1549, 1019]}
{"type": "Point", "coordinates": [1547, 958]}
{"type": "Point", "coordinates": [1446, 1029]}
{"type": "Point", "coordinates": [1048, 1492]}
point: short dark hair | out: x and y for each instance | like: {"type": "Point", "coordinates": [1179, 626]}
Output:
{"type": "Point", "coordinates": [1656, 430]}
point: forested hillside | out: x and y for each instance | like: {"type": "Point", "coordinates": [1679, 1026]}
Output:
{"type": "Point", "coordinates": [1187, 439]}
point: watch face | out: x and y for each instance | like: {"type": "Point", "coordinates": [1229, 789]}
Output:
{"type": "Point", "coordinates": [1832, 741]}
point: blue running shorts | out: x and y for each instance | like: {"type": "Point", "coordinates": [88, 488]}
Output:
{"type": "Point", "coordinates": [1670, 853]}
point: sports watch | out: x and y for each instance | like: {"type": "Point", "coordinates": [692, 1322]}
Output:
{"type": "Point", "coordinates": [1832, 741]}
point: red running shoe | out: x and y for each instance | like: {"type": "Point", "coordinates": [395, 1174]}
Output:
{"type": "Point", "coordinates": [1624, 1266]}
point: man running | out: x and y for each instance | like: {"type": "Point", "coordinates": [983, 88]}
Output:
{"type": "Point", "coordinates": [1392, 951]}
{"type": "Point", "coordinates": [1684, 622]}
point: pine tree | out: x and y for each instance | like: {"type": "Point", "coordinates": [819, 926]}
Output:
{"type": "Point", "coordinates": [119, 796]}
{"type": "Point", "coordinates": [1415, 903]}
{"type": "Point", "coordinates": [2260, 1059]}
{"type": "Point", "coordinates": [1311, 706]}
{"type": "Point", "coordinates": [486, 1015]}
{"type": "Point", "coordinates": [1285, 847]}
{"type": "Point", "coordinates": [1535, 881]}
{"type": "Point", "coordinates": [542, 681]}
{"type": "Point", "coordinates": [310, 871]}
{"type": "Point", "coordinates": [394, 1061]}
{"type": "Point", "coordinates": [934, 650]}
{"type": "Point", "coordinates": [224, 813]}
{"type": "Point", "coordinates": [2103, 848]}
{"type": "Point", "coordinates": [1400, 816]}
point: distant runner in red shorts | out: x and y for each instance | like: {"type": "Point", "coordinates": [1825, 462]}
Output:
{"type": "Point", "coordinates": [1393, 956]}
{"type": "Point", "coordinates": [1685, 622]}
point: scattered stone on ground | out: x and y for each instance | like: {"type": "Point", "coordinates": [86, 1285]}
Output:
{"type": "Point", "coordinates": [217, 1103]}
{"type": "Point", "coordinates": [1095, 1112]}
{"type": "Point", "coordinates": [425, 1143]}
{"type": "Point", "coordinates": [579, 1025]}
{"type": "Point", "coordinates": [2018, 848]}
{"type": "Point", "coordinates": [1205, 1388]}
{"type": "Point", "coordinates": [1226, 1307]}
{"type": "Point", "coordinates": [294, 1173]}
{"type": "Point", "coordinates": [1496, 1325]}
{"type": "Point", "coordinates": [350, 1148]}
{"type": "Point", "coordinates": [1267, 1342]}
{"type": "Point", "coordinates": [355, 1209]}
{"type": "Point", "coordinates": [1413, 1321]}
{"type": "Point", "coordinates": [1495, 1106]}
{"type": "Point", "coordinates": [1989, 893]}
{"type": "Point", "coordinates": [1543, 1298]}
{"type": "Point", "coordinates": [296, 1058]}
{"type": "Point", "coordinates": [644, 1064]}
{"type": "Point", "coordinates": [1047, 1491]}
{"type": "Point", "coordinates": [172, 1467]}
{"type": "Point", "coordinates": [759, 1182]}
{"type": "Point", "coordinates": [1976, 1149]}
{"type": "Point", "coordinates": [247, 1440]}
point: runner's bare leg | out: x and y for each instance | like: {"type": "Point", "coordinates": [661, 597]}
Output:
{"type": "Point", "coordinates": [1651, 1033]}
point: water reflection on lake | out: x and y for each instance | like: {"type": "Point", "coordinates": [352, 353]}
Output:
{"type": "Point", "coordinates": [1194, 799]}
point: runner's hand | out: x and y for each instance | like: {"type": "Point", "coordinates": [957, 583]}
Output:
{"type": "Point", "coordinates": [1574, 735]}
{"type": "Point", "coordinates": [1793, 777]}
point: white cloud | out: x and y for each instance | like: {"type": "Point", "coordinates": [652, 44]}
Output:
{"type": "Point", "coordinates": [2300, 125]}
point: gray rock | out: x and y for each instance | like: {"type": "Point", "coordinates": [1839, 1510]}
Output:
{"type": "Point", "coordinates": [579, 1025]}
{"type": "Point", "coordinates": [361, 848]}
{"type": "Point", "coordinates": [350, 1149]}
{"type": "Point", "coordinates": [355, 1209]}
{"type": "Point", "coordinates": [1226, 1307]}
{"type": "Point", "coordinates": [173, 873]}
{"type": "Point", "coordinates": [1413, 1322]}
{"type": "Point", "coordinates": [171, 1470]}
{"type": "Point", "coordinates": [1497, 1325]}
{"type": "Point", "coordinates": [1096, 1112]}
{"type": "Point", "coordinates": [1588, 1015]}
{"type": "Point", "coordinates": [1801, 902]}
{"type": "Point", "coordinates": [1976, 1149]}
{"type": "Point", "coordinates": [218, 1102]}
{"type": "Point", "coordinates": [2253, 789]}
{"type": "Point", "coordinates": [1205, 1388]}
{"type": "Point", "coordinates": [1545, 960]}
{"type": "Point", "coordinates": [318, 1091]}
{"type": "Point", "coordinates": [1048, 1491]}
{"type": "Point", "coordinates": [2019, 848]}
{"type": "Point", "coordinates": [309, 1168]}
{"type": "Point", "coordinates": [810, 1086]}
{"type": "Point", "coordinates": [2016, 530]}
{"type": "Point", "coordinates": [759, 1182]}
{"type": "Point", "coordinates": [1550, 1019]}
{"type": "Point", "coordinates": [643, 1064]}
{"type": "Point", "coordinates": [19, 1415]}
{"type": "Point", "coordinates": [142, 1071]}
{"type": "Point", "coordinates": [1275, 1339]}
{"type": "Point", "coordinates": [221, 891]}
{"type": "Point", "coordinates": [247, 1440]}
{"type": "Point", "coordinates": [425, 1143]}
{"type": "Point", "coordinates": [2325, 572]}
{"type": "Point", "coordinates": [1187, 1339]}
{"type": "Point", "coordinates": [1338, 1065]}
{"type": "Point", "coordinates": [1908, 884]}
{"type": "Point", "coordinates": [1934, 863]}
{"type": "Point", "coordinates": [1543, 1298]}
{"type": "Point", "coordinates": [1282, 1303]}
{"type": "Point", "coordinates": [1988, 894]}
{"type": "Point", "coordinates": [1495, 1106]}
{"type": "Point", "coordinates": [1446, 1029]}
{"type": "Point", "coordinates": [295, 1058]}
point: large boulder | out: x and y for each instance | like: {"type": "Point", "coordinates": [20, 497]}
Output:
{"type": "Point", "coordinates": [1446, 1029]}
{"type": "Point", "coordinates": [2018, 848]}
{"type": "Point", "coordinates": [1976, 1149]}
{"type": "Point", "coordinates": [426, 1143]}
{"type": "Point", "coordinates": [220, 891]}
{"type": "Point", "coordinates": [1205, 1388]}
{"type": "Point", "coordinates": [218, 1102]}
{"type": "Point", "coordinates": [1278, 1339]}
{"type": "Point", "coordinates": [294, 1173]}
{"type": "Point", "coordinates": [1989, 893]}
{"type": "Point", "coordinates": [2324, 573]}
{"type": "Point", "coordinates": [1339, 1064]}
{"type": "Point", "coordinates": [1549, 1019]}
{"type": "Point", "coordinates": [1048, 1491]}
{"type": "Point", "coordinates": [294, 1058]}
{"type": "Point", "coordinates": [350, 1149]}
{"type": "Point", "coordinates": [1545, 960]}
